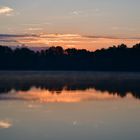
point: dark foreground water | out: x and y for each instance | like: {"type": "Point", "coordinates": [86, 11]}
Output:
{"type": "Point", "coordinates": [69, 106]}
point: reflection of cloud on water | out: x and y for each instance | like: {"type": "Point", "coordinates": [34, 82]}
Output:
{"type": "Point", "coordinates": [4, 124]}
{"type": "Point", "coordinates": [66, 96]}
{"type": "Point", "coordinates": [45, 96]}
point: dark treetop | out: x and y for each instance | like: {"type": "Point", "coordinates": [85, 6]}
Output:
{"type": "Point", "coordinates": [120, 58]}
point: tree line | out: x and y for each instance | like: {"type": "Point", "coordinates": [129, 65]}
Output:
{"type": "Point", "coordinates": [115, 58]}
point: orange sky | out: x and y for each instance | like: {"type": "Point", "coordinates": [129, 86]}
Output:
{"type": "Point", "coordinates": [66, 41]}
{"type": "Point", "coordinates": [86, 24]}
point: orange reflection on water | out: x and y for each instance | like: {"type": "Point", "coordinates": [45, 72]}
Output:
{"type": "Point", "coordinates": [44, 96]}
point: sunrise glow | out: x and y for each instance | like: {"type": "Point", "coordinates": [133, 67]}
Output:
{"type": "Point", "coordinates": [74, 24]}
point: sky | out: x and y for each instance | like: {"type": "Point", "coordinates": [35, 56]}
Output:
{"type": "Point", "coordinates": [84, 24]}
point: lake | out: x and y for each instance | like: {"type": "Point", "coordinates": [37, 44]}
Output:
{"type": "Point", "coordinates": [69, 105]}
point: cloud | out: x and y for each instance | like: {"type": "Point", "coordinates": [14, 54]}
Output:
{"type": "Point", "coordinates": [8, 41]}
{"type": "Point", "coordinates": [4, 124]}
{"type": "Point", "coordinates": [90, 42]}
{"type": "Point", "coordinates": [4, 10]}
{"type": "Point", "coordinates": [35, 29]}
{"type": "Point", "coordinates": [87, 13]}
{"type": "Point", "coordinates": [60, 36]}
{"type": "Point", "coordinates": [17, 35]}
{"type": "Point", "coordinates": [16, 39]}
{"type": "Point", "coordinates": [110, 37]}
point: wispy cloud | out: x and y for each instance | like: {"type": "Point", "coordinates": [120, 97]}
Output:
{"type": "Point", "coordinates": [89, 42]}
{"type": "Point", "coordinates": [14, 39]}
{"type": "Point", "coordinates": [87, 12]}
{"type": "Point", "coordinates": [8, 41]}
{"type": "Point", "coordinates": [35, 29]}
{"type": "Point", "coordinates": [5, 10]}
{"type": "Point", "coordinates": [111, 37]}
{"type": "Point", "coordinates": [17, 35]}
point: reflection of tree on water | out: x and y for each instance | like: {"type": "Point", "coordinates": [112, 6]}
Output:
{"type": "Point", "coordinates": [120, 83]}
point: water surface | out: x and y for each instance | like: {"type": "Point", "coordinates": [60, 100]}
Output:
{"type": "Point", "coordinates": [69, 105]}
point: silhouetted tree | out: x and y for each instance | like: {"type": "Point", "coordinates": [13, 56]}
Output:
{"type": "Point", "coordinates": [115, 58]}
